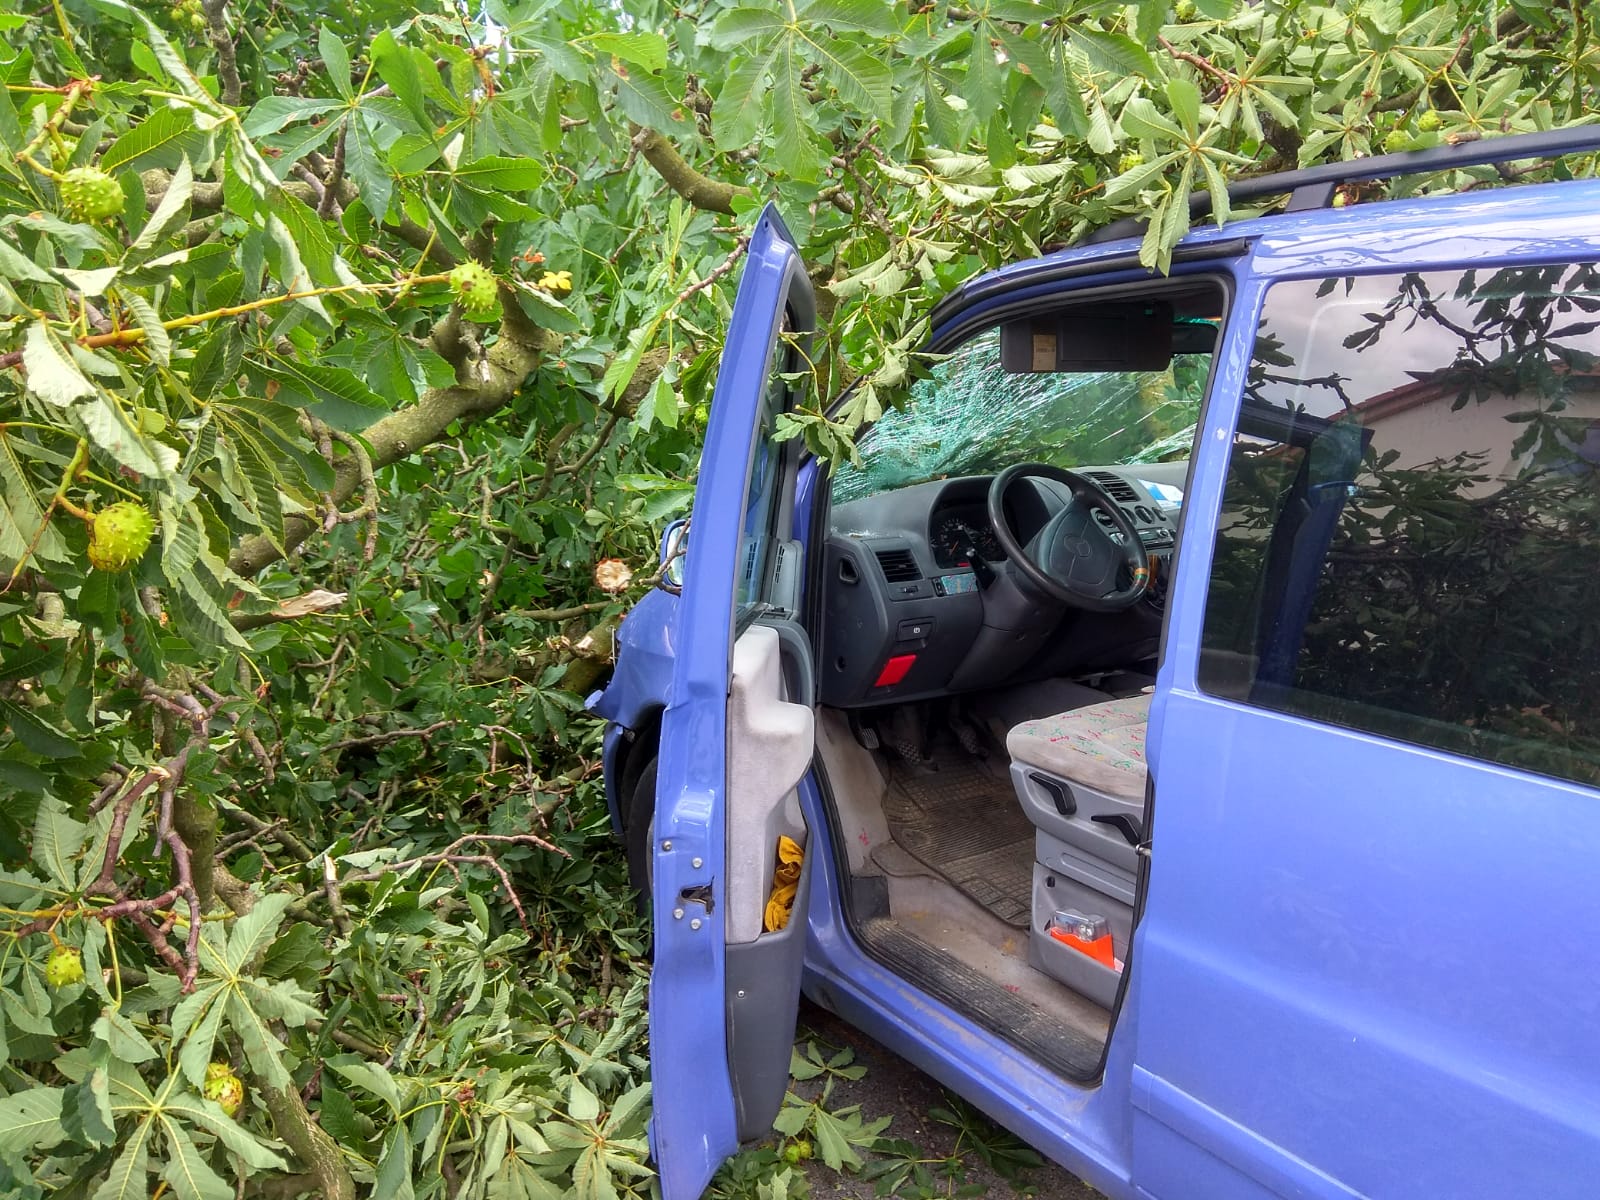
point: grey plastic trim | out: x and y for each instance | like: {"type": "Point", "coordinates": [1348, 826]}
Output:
{"type": "Point", "coordinates": [763, 1004]}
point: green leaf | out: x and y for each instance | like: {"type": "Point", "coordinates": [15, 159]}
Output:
{"type": "Point", "coordinates": [736, 116]}
{"type": "Point", "coordinates": [1113, 53]}
{"type": "Point", "coordinates": [253, 932]}
{"type": "Point", "coordinates": [737, 26]}
{"type": "Point", "coordinates": [336, 61]}
{"type": "Point", "coordinates": [290, 268]}
{"type": "Point", "coordinates": [86, 1110]}
{"type": "Point", "coordinates": [189, 1174]}
{"type": "Point", "coordinates": [659, 407]}
{"type": "Point", "coordinates": [276, 112]}
{"type": "Point", "coordinates": [52, 375]}
{"type": "Point", "coordinates": [129, 1178]}
{"type": "Point", "coordinates": [33, 659]}
{"type": "Point", "coordinates": [334, 394]}
{"type": "Point", "coordinates": [1218, 187]}
{"type": "Point", "coordinates": [30, 1120]}
{"type": "Point", "coordinates": [501, 174]}
{"type": "Point", "coordinates": [643, 49]}
{"type": "Point", "coordinates": [646, 101]}
{"type": "Point", "coordinates": [163, 139]}
{"type": "Point", "coordinates": [860, 78]}
{"type": "Point", "coordinates": [18, 266]}
{"type": "Point", "coordinates": [792, 117]}
{"type": "Point", "coordinates": [863, 16]}
{"type": "Point", "coordinates": [199, 1037]}
{"type": "Point", "coordinates": [338, 1117]}
{"type": "Point", "coordinates": [127, 1043]}
{"type": "Point", "coordinates": [394, 1167]}
{"type": "Point", "coordinates": [370, 1078]}
{"type": "Point", "coordinates": [398, 67]}
{"type": "Point", "coordinates": [169, 214]}
{"type": "Point", "coordinates": [368, 168]}
{"type": "Point", "coordinates": [108, 427]}
{"type": "Point", "coordinates": [35, 733]}
{"type": "Point", "coordinates": [157, 341]}
{"type": "Point", "coordinates": [1141, 119]}
{"type": "Point", "coordinates": [1133, 181]}
{"type": "Point", "coordinates": [235, 1138]}
{"type": "Point", "coordinates": [22, 516]}
{"type": "Point", "coordinates": [1184, 97]}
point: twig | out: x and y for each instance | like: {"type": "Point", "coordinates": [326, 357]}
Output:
{"type": "Point", "coordinates": [330, 192]}
{"type": "Point", "coordinates": [392, 735]}
{"type": "Point", "coordinates": [561, 614]}
{"type": "Point", "coordinates": [452, 857]}
{"type": "Point", "coordinates": [1195, 60]}
{"type": "Point", "coordinates": [718, 272]}
{"type": "Point", "coordinates": [330, 887]}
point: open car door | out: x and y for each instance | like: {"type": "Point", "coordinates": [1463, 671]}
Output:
{"type": "Point", "coordinates": [736, 740]}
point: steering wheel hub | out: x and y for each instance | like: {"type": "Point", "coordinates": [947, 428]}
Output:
{"type": "Point", "coordinates": [1074, 559]}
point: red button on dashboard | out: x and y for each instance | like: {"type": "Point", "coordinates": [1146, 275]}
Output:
{"type": "Point", "coordinates": [895, 670]}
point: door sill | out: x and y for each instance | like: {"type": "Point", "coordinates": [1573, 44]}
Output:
{"type": "Point", "coordinates": [1058, 1048]}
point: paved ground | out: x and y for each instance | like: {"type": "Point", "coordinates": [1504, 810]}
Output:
{"type": "Point", "coordinates": [894, 1088]}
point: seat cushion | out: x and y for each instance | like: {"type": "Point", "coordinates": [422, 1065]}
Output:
{"type": "Point", "coordinates": [1101, 746]}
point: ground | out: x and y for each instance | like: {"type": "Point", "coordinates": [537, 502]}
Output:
{"type": "Point", "coordinates": [933, 1145]}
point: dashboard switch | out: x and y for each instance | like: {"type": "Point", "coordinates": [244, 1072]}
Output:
{"type": "Point", "coordinates": [895, 670]}
{"type": "Point", "coordinates": [914, 630]}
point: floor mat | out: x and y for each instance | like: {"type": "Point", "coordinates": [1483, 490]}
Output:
{"type": "Point", "coordinates": [964, 824]}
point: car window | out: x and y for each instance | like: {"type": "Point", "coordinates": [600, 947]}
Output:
{"type": "Point", "coordinates": [1410, 532]}
{"type": "Point", "coordinates": [761, 500]}
{"type": "Point", "coordinates": [972, 417]}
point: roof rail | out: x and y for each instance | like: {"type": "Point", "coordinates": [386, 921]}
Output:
{"type": "Point", "coordinates": [1314, 187]}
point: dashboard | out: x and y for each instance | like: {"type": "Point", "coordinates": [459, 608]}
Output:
{"type": "Point", "coordinates": [955, 532]}
{"type": "Point", "coordinates": [917, 603]}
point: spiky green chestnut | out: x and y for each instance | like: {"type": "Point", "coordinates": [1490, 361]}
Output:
{"type": "Point", "coordinates": [64, 967]}
{"type": "Point", "coordinates": [223, 1086]}
{"type": "Point", "coordinates": [1430, 121]}
{"type": "Point", "coordinates": [476, 291]}
{"type": "Point", "coordinates": [89, 194]}
{"type": "Point", "coordinates": [119, 536]}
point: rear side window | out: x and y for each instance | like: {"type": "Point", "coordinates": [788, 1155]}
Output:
{"type": "Point", "coordinates": [1409, 541]}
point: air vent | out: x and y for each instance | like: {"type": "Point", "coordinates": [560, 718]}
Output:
{"type": "Point", "coordinates": [898, 566]}
{"type": "Point", "coordinates": [1115, 486]}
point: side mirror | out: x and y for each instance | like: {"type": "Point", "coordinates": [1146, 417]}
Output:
{"type": "Point", "coordinates": [674, 547]}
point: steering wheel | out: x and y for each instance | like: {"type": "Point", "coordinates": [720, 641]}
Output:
{"type": "Point", "coordinates": [1073, 559]}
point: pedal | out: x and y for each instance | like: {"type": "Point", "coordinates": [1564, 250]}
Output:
{"type": "Point", "coordinates": [970, 737]}
{"type": "Point", "coordinates": [866, 736]}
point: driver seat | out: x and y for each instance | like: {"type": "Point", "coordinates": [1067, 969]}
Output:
{"type": "Point", "coordinates": [1100, 746]}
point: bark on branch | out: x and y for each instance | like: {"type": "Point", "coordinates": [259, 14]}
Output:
{"type": "Point", "coordinates": [495, 381]}
{"type": "Point", "coordinates": [699, 190]}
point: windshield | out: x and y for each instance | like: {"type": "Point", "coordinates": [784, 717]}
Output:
{"type": "Point", "coordinates": [972, 417]}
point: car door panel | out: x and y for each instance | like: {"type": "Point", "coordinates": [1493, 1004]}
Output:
{"type": "Point", "coordinates": [711, 1077]}
{"type": "Point", "coordinates": [1353, 959]}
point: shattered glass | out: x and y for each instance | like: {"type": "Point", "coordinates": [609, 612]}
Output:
{"type": "Point", "coordinates": [972, 417]}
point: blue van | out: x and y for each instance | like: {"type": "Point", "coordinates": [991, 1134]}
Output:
{"type": "Point", "coordinates": [1180, 733]}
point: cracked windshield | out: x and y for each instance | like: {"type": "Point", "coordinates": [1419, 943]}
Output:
{"type": "Point", "coordinates": [970, 416]}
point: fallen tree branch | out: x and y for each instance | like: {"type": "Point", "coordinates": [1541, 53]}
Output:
{"type": "Point", "coordinates": [698, 189]}
{"type": "Point", "coordinates": [500, 375]}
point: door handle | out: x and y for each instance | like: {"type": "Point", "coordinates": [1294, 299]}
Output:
{"type": "Point", "coordinates": [1131, 828]}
